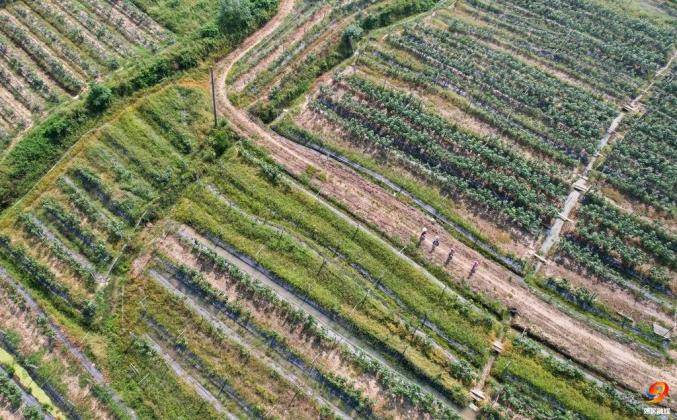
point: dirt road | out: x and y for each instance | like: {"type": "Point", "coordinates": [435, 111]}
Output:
{"type": "Point", "coordinates": [400, 222]}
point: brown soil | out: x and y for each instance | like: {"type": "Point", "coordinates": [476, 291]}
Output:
{"type": "Point", "coordinates": [5, 414]}
{"type": "Point", "coordinates": [24, 323]}
{"type": "Point", "coordinates": [121, 23]}
{"type": "Point", "coordinates": [72, 68]}
{"type": "Point", "coordinates": [17, 107]}
{"type": "Point", "coordinates": [539, 64]}
{"type": "Point", "coordinates": [505, 239]}
{"type": "Point", "coordinates": [615, 297]}
{"type": "Point", "coordinates": [19, 84]}
{"type": "Point", "coordinates": [27, 62]}
{"type": "Point", "coordinates": [399, 220]}
{"type": "Point", "coordinates": [72, 23]}
{"type": "Point", "coordinates": [79, 16]}
{"type": "Point", "coordinates": [643, 211]}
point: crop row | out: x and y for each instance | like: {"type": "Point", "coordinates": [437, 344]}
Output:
{"type": "Point", "coordinates": [137, 35]}
{"type": "Point", "coordinates": [568, 118]}
{"type": "Point", "coordinates": [585, 301]}
{"type": "Point", "coordinates": [536, 384]}
{"type": "Point", "coordinates": [95, 27]}
{"type": "Point", "coordinates": [21, 69]}
{"type": "Point", "coordinates": [113, 227]}
{"type": "Point", "coordinates": [482, 170]}
{"type": "Point", "coordinates": [362, 253]}
{"type": "Point", "coordinates": [26, 98]}
{"type": "Point", "coordinates": [63, 76]}
{"type": "Point", "coordinates": [643, 164]}
{"type": "Point", "coordinates": [70, 227]}
{"type": "Point", "coordinates": [238, 360]}
{"type": "Point", "coordinates": [336, 385]}
{"type": "Point", "coordinates": [612, 51]}
{"type": "Point", "coordinates": [296, 51]}
{"type": "Point", "coordinates": [272, 43]}
{"type": "Point", "coordinates": [141, 19]}
{"type": "Point", "coordinates": [8, 114]}
{"type": "Point", "coordinates": [334, 291]}
{"type": "Point", "coordinates": [62, 48]}
{"type": "Point", "coordinates": [56, 247]}
{"type": "Point", "coordinates": [70, 42]}
{"type": "Point", "coordinates": [512, 126]}
{"type": "Point", "coordinates": [250, 288]}
{"type": "Point", "coordinates": [614, 245]}
{"type": "Point", "coordinates": [79, 36]}
{"type": "Point", "coordinates": [44, 280]}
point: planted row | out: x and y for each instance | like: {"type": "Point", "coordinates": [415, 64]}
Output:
{"type": "Point", "coordinates": [570, 119]}
{"type": "Point", "coordinates": [617, 246]}
{"type": "Point", "coordinates": [34, 229]}
{"type": "Point", "coordinates": [248, 286]}
{"type": "Point", "coordinates": [611, 50]}
{"type": "Point", "coordinates": [69, 225]}
{"type": "Point", "coordinates": [63, 76]}
{"type": "Point", "coordinates": [481, 170]}
{"type": "Point", "coordinates": [643, 164]}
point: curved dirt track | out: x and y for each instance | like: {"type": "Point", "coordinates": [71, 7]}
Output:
{"type": "Point", "coordinates": [400, 221]}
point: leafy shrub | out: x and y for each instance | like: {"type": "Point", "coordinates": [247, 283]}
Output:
{"type": "Point", "coordinates": [463, 371]}
{"type": "Point", "coordinates": [9, 391]}
{"type": "Point", "coordinates": [31, 412]}
{"type": "Point", "coordinates": [349, 38]}
{"type": "Point", "coordinates": [99, 98]}
{"type": "Point", "coordinates": [395, 11]}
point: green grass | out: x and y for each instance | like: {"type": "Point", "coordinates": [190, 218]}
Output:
{"type": "Point", "coordinates": [562, 383]}
{"type": "Point", "coordinates": [28, 384]}
{"type": "Point", "coordinates": [312, 221]}
{"type": "Point", "coordinates": [426, 192]}
{"type": "Point", "coordinates": [296, 254]}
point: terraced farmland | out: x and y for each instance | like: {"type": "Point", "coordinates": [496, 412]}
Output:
{"type": "Point", "coordinates": [346, 209]}
{"type": "Point", "coordinates": [642, 163]}
{"type": "Point", "coordinates": [615, 58]}
{"type": "Point", "coordinates": [51, 50]}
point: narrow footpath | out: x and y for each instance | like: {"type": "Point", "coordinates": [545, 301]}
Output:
{"type": "Point", "coordinates": [581, 186]}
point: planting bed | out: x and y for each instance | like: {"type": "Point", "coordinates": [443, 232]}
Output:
{"type": "Point", "coordinates": [51, 49]}
{"type": "Point", "coordinates": [642, 164]}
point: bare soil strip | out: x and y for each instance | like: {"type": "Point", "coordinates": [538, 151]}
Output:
{"type": "Point", "coordinates": [298, 33]}
{"type": "Point", "coordinates": [334, 328]}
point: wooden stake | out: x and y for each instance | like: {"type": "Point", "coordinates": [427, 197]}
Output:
{"type": "Point", "coordinates": [211, 74]}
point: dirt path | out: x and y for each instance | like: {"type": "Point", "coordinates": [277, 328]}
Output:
{"type": "Point", "coordinates": [400, 222]}
{"type": "Point", "coordinates": [297, 34]}
{"type": "Point", "coordinates": [334, 329]}
{"type": "Point", "coordinates": [580, 186]}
